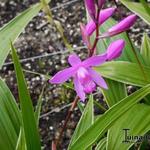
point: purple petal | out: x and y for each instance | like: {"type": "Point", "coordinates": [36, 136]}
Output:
{"type": "Point", "coordinates": [122, 26]}
{"type": "Point", "coordinates": [104, 15]}
{"type": "Point", "coordinates": [98, 79]}
{"type": "Point", "coordinates": [79, 89]}
{"type": "Point", "coordinates": [85, 36]}
{"type": "Point", "coordinates": [74, 60]}
{"type": "Point", "coordinates": [63, 75]}
{"type": "Point", "coordinates": [115, 49]}
{"type": "Point", "coordinates": [94, 60]}
{"type": "Point", "coordinates": [90, 4]}
{"type": "Point", "coordinates": [101, 3]}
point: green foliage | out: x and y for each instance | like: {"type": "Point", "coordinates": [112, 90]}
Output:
{"type": "Point", "coordinates": [10, 118]}
{"type": "Point", "coordinates": [29, 122]}
{"type": "Point", "coordinates": [85, 122]}
{"type": "Point", "coordinates": [138, 9]}
{"type": "Point", "coordinates": [145, 49]}
{"type": "Point", "coordinates": [103, 123]}
{"type": "Point", "coordinates": [130, 120]}
{"type": "Point", "coordinates": [13, 29]}
{"type": "Point", "coordinates": [125, 72]}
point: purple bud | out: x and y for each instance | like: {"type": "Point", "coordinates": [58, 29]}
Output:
{"type": "Point", "coordinates": [104, 15]}
{"type": "Point", "coordinates": [122, 26]}
{"type": "Point", "coordinates": [115, 49]}
{"type": "Point", "coordinates": [85, 37]}
{"type": "Point", "coordinates": [90, 5]}
{"type": "Point", "coordinates": [101, 3]}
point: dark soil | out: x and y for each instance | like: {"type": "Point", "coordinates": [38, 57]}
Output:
{"type": "Point", "coordinates": [41, 38]}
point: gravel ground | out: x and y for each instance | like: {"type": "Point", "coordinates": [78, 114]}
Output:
{"type": "Point", "coordinates": [40, 38]}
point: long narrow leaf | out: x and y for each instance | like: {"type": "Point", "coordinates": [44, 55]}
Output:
{"type": "Point", "coordinates": [145, 49]}
{"type": "Point", "coordinates": [102, 124]}
{"type": "Point", "coordinates": [85, 122]}
{"type": "Point", "coordinates": [125, 72]}
{"type": "Point", "coordinates": [131, 120]}
{"type": "Point", "coordinates": [29, 123]}
{"type": "Point", "coordinates": [13, 29]}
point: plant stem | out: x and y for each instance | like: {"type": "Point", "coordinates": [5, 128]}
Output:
{"type": "Point", "coordinates": [74, 104]}
{"type": "Point", "coordinates": [55, 23]}
{"type": "Point", "coordinates": [92, 50]}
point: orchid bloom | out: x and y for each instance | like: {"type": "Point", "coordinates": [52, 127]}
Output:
{"type": "Point", "coordinates": [122, 26]}
{"type": "Point", "coordinates": [84, 77]}
{"type": "Point", "coordinates": [103, 16]}
{"type": "Point", "coordinates": [90, 5]}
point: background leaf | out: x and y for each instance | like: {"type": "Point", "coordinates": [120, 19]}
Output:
{"type": "Point", "coordinates": [85, 122]}
{"type": "Point", "coordinates": [29, 123]}
{"type": "Point", "coordinates": [10, 119]}
{"type": "Point", "coordinates": [116, 91]}
{"type": "Point", "coordinates": [145, 49]}
{"type": "Point", "coordinates": [17, 25]}
{"type": "Point", "coordinates": [102, 144]}
{"type": "Point", "coordinates": [103, 123]}
{"type": "Point", "coordinates": [21, 143]}
{"type": "Point", "coordinates": [132, 121]}
{"type": "Point", "coordinates": [138, 9]}
{"type": "Point", "coordinates": [125, 72]}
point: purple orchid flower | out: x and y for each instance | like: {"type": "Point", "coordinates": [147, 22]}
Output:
{"type": "Point", "coordinates": [103, 16]}
{"type": "Point", "coordinates": [84, 77]}
{"type": "Point", "coordinates": [90, 5]}
{"type": "Point", "coordinates": [122, 26]}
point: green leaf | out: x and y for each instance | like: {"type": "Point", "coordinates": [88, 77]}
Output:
{"type": "Point", "coordinates": [8, 102]}
{"type": "Point", "coordinates": [146, 6]}
{"type": "Point", "coordinates": [145, 49]}
{"type": "Point", "coordinates": [138, 9]}
{"type": "Point", "coordinates": [85, 122]}
{"type": "Point", "coordinates": [9, 118]}
{"type": "Point", "coordinates": [21, 143]}
{"type": "Point", "coordinates": [130, 120]}
{"type": "Point", "coordinates": [115, 92]}
{"type": "Point", "coordinates": [13, 29]}
{"type": "Point", "coordinates": [29, 123]}
{"type": "Point", "coordinates": [38, 107]}
{"type": "Point", "coordinates": [102, 124]}
{"type": "Point", "coordinates": [101, 144]}
{"type": "Point", "coordinates": [125, 72]}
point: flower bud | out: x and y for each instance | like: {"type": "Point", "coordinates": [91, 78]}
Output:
{"type": "Point", "coordinates": [122, 26]}
{"type": "Point", "coordinates": [115, 49]}
{"type": "Point", "coordinates": [101, 3]}
{"type": "Point", "coordinates": [90, 5]}
{"type": "Point", "coordinates": [104, 15]}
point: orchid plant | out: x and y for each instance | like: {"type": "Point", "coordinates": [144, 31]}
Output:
{"type": "Point", "coordinates": [84, 76]}
{"type": "Point", "coordinates": [113, 64]}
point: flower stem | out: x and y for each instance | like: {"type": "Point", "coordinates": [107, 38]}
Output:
{"type": "Point", "coordinates": [74, 104]}
{"type": "Point", "coordinates": [92, 50]}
